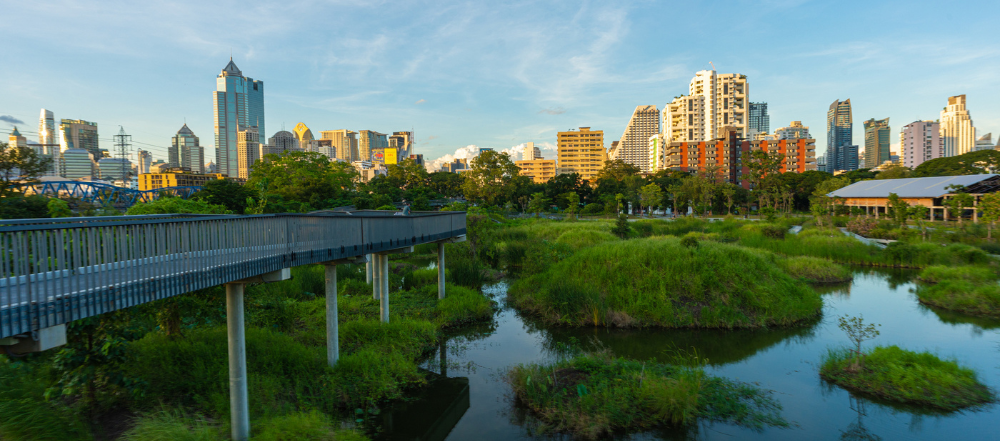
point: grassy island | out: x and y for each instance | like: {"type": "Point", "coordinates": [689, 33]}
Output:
{"type": "Point", "coordinates": [919, 378]}
{"type": "Point", "coordinates": [815, 270]}
{"type": "Point", "coordinates": [591, 396]}
{"type": "Point", "coordinates": [660, 282]}
{"type": "Point", "coordinates": [972, 290]}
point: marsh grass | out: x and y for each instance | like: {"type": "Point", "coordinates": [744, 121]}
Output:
{"type": "Point", "coordinates": [659, 282]}
{"type": "Point", "coordinates": [173, 425]}
{"type": "Point", "coordinates": [591, 396]}
{"type": "Point", "coordinates": [919, 378]}
{"type": "Point", "coordinates": [815, 270]}
{"type": "Point", "coordinates": [966, 289]}
{"type": "Point", "coordinates": [25, 414]}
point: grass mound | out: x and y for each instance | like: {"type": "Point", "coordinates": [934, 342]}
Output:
{"type": "Point", "coordinates": [591, 396]}
{"type": "Point", "coordinates": [910, 377]}
{"type": "Point", "coordinates": [966, 289]}
{"type": "Point", "coordinates": [461, 306]}
{"type": "Point", "coordinates": [815, 270]}
{"type": "Point", "coordinates": [659, 282]}
{"type": "Point", "coordinates": [584, 238]}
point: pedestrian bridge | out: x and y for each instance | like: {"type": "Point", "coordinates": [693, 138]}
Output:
{"type": "Point", "coordinates": [55, 271]}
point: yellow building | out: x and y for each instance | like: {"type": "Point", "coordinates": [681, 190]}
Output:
{"type": "Point", "coordinates": [581, 152]}
{"type": "Point", "coordinates": [175, 177]}
{"type": "Point", "coordinates": [539, 170]}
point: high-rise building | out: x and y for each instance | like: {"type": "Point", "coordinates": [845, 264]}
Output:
{"type": "Point", "coordinates": [581, 151]}
{"type": "Point", "coordinates": [657, 153]}
{"type": "Point", "coordinates": [345, 142]}
{"type": "Point", "coordinates": [402, 142]}
{"type": "Point", "coordinates": [283, 141]}
{"type": "Point", "coordinates": [79, 134]}
{"type": "Point", "coordinates": [304, 137]}
{"type": "Point", "coordinates": [239, 103]}
{"type": "Point", "coordinates": [795, 130]}
{"type": "Point", "coordinates": [841, 153]}
{"type": "Point", "coordinates": [725, 101]}
{"type": "Point", "coordinates": [760, 122]}
{"type": "Point", "coordinates": [985, 142]}
{"type": "Point", "coordinates": [47, 128]}
{"type": "Point", "coordinates": [145, 159]}
{"type": "Point", "coordinates": [113, 169]}
{"type": "Point", "coordinates": [683, 119]}
{"type": "Point", "coordinates": [726, 155]}
{"type": "Point", "coordinates": [920, 141]}
{"type": "Point", "coordinates": [186, 151]}
{"type": "Point", "coordinates": [371, 146]}
{"type": "Point", "coordinates": [958, 136]}
{"type": "Point", "coordinates": [247, 151]}
{"type": "Point", "coordinates": [633, 147]}
{"type": "Point", "coordinates": [77, 164]}
{"type": "Point", "coordinates": [876, 142]}
{"type": "Point", "coordinates": [531, 152]}
{"type": "Point", "coordinates": [540, 170]}
{"type": "Point", "coordinates": [16, 140]}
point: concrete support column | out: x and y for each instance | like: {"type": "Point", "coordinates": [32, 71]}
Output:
{"type": "Point", "coordinates": [440, 266]}
{"type": "Point", "coordinates": [384, 285]}
{"type": "Point", "coordinates": [368, 270]}
{"type": "Point", "coordinates": [376, 276]}
{"type": "Point", "coordinates": [238, 399]}
{"type": "Point", "coordinates": [332, 326]}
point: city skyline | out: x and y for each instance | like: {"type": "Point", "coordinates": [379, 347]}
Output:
{"type": "Point", "coordinates": [536, 77]}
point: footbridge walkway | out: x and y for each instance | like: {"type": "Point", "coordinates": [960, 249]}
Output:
{"type": "Point", "coordinates": [55, 271]}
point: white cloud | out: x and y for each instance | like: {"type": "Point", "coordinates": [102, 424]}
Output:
{"type": "Point", "coordinates": [467, 152]}
{"type": "Point", "coordinates": [421, 101]}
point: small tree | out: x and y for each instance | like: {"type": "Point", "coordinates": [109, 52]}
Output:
{"type": "Point", "coordinates": [858, 331]}
{"type": "Point", "coordinates": [900, 209]}
{"type": "Point", "coordinates": [729, 192]}
{"type": "Point", "coordinates": [919, 215]}
{"type": "Point", "coordinates": [650, 195]}
{"type": "Point", "coordinates": [539, 203]}
{"type": "Point", "coordinates": [621, 228]}
{"type": "Point", "coordinates": [959, 201]}
{"type": "Point", "coordinates": [990, 211]}
{"type": "Point", "coordinates": [818, 208]}
{"type": "Point", "coordinates": [573, 204]}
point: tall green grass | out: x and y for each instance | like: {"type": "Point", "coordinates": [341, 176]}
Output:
{"type": "Point", "coordinates": [910, 377]}
{"type": "Point", "coordinates": [25, 414]}
{"type": "Point", "coordinates": [658, 282]}
{"type": "Point", "coordinates": [815, 269]}
{"type": "Point", "coordinates": [167, 425]}
{"type": "Point", "coordinates": [593, 396]}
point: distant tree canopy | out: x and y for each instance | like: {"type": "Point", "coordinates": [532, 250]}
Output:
{"type": "Point", "coordinates": [19, 164]}
{"type": "Point", "coordinates": [227, 193]}
{"type": "Point", "coordinates": [171, 205]}
{"type": "Point", "coordinates": [972, 163]}
{"type": "Point", "coordinates": [304, 178]}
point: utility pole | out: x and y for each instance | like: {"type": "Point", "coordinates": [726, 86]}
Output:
{"type": "Point", "coordinates": [123, 144]}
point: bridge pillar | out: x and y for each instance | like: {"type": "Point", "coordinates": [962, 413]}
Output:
{"type": "Point", "coordinates": [332, 326]}
{"type": "Point", "coordinates": [384, 285]}
{"type": "Point", "coordinates": [376, 277]}
{"type": "Point", "coordinates": [368, 269]}
{"type": "Point", "coordinates": [440, 266]}
{"type": "Point", "coordinates": [238, 401]}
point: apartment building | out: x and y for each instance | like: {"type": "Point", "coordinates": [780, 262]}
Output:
{"type": "Point", "coordinates": [581, 151]}
{"type": "Point", "coordinates": [920, 141]}
{"type": "Point", "coordinates": [727, 155]}
{"type": "Point", "coordinates": [633, 147]}
{"type": "Point", "coordinates": [540, 170]}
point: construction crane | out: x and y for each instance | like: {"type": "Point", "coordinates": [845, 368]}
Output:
{"type": "Point", "coordinates": [713, 66]}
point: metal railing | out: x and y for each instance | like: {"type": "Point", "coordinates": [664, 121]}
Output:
{"type": "Point", "coordinates": [54, 271]}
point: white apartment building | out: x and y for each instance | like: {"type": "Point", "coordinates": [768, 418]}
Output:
{"type": "Point", "coordinates": [714, 101]}
{"type": "Point", "coordinates": [633, 147]}
{"type": "Point", "coordinates": [958, 136]}
{"type": "Point", "coordinates": [684, 119]}
{"type": "Point", "coordinates": [920, 141]}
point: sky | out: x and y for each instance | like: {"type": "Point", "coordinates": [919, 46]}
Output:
{"type": "Point", "coordinates": [487, 74]}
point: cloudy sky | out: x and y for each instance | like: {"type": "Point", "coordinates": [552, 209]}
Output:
{"type": "Point", "coordinates": [491, 74]}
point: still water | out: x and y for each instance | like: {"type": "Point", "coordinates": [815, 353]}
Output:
{"type": "Point", "coordinates": [469, 400]}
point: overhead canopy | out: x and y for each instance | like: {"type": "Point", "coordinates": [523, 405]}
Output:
{"type": "Point", "coordinates": [919, 187]}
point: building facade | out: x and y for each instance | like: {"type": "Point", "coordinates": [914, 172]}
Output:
{"type": "Point", "coordinates": [759, 120]}
{"type": "Point", "coordinates": [77, 164]}
{"type": "Point", "coordinates": [985, 142]}
{"type": "Point", "coordinates": [345, 142]}
{"type": "Point", "coordinates": [238, 104]}
{"type": "Point", "coordinates": [841, 153]}
{"type": "Point", "coordinates": [144, 159]}
{"type": "Point", "coordinates": [684, 119]}
{"type": "Point", "coordinates": [726, 156]}
{"type": "Point", "coordinates": [175, 177]}
{"type": "Point", "coordinates": [581, 151]}
{"type": "Point", "coordinates": [657, 155]}
{"type": "Point", "coordinates": [402, 142]}
{"type": "Point", "coordinates": [282, 141]}
{"type": "Point", "coordinates": [186, 151]}
{"type": "Point", "coordinates": [877, 142]}
{"type": "Point", "coordinates": [958, 136]}
{"type": "Point", "coordinates": [795, 130]}
{"type": "Point", "coordinates": [247, 151]}
{"type": "Point", "coordinates": [725, 97]}
{"type": "Point", "coordinates": [540, 170]}
{"type": "Point", "coordinates": [79, 134]}
{"type": "Point", "coordinates": [920, 141]}
{"type": "Point", "coordinates": [111, 169]}
{"type": "Point", "coordinates": [371, 145]}
{"type": "Point", "coordinates": [633, 147]}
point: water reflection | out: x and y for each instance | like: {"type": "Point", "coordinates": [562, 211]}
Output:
{"type": "Point", "coordinates": [857, 431]}
{"type": "Point", "coordinates": [979, 324]}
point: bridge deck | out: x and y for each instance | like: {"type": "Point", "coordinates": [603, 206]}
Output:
{"type": "Point", "coordinates": [53, 271]}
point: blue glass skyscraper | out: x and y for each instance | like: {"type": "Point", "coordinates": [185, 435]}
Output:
{"type": "Point", "coordinates": [239, 103]}
{"type": "Point", "coordinates": [841, 153]}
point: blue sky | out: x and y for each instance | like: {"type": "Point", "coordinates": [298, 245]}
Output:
{"type": "Point", "coordinates": [492, 74]}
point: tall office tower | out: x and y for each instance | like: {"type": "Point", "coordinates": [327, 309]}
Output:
{"type": "Point", "coordinates": [633, 147]}
{"type": "Point", "coordinates": [876, 142]}
{"type": "Point", "coordinates": [239, 103]}
{"type": "Point", "coordinates": [47, 128]}
{"type": "Point", "coordinates": [795, 130]}
{"type": "Point", "coordinates": [920, 141]}
{"type": "Point", "coordinates": [841, 153]}
{"type": "Point", "coordinates": [79, 134]}
{"type": "Point", "coordinates": [985, 142]}
{"type": "Point", "coordinates": [16, 140]}
{"type": "Point", "coordinates": [760, 122]}
{"type": "Point", "coordinates": [283, 141]}
{"type": "Point", "coordinates": [683, 119]}
{"type": "Point", "coordinates": [371, 143]}
{"type": "Point", "coordinates": [581, 151]}
{"type": "Point", "coordinates": [403, 142]}
{"type": "Point", "coordinates": [725, 104]}
{"type": "Point", "coordinates": [247, 151]}
{"type": "Point", "coordinates": [345, 142]}
{"type": "Point", "coordinates": [77, 164]}
{"type": "Point", "coordinates": [186, 151]}
{"type": "Point", "coordinates": [145, 159]}
{"type": "Point", "coordinates": [958, 136]}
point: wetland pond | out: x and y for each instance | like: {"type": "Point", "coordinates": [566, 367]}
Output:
{"type": "Point", "coordinates": [471, 400]}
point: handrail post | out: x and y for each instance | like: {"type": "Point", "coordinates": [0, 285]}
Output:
{"type": "Point", "coordinates": [238, 399]}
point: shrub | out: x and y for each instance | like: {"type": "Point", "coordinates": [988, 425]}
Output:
{"type": "Point", "coordinates": [423, 277]}
{"type": "Point", "coordinates": [462, 305]}
{"type": "Point", "coordinates": [175, 425]}
{"type": "Point", "coordinates": [592, 209]}
{"type": "Point", "coordinates": [862, 226]}
{"type": "Point", "coordinates": [905, 376]}
{"type": "Point", "coordinates": [689, 241]}
{"type": "Point", "coordinates": [27, 415]}
{"type": "Point", "coordinates": [621, 228]}
{"type": "Point", "coordinates": [774, 231]}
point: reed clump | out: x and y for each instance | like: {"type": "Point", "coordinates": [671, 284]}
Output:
{"type": "Point", "coordinates": [972, 290]}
